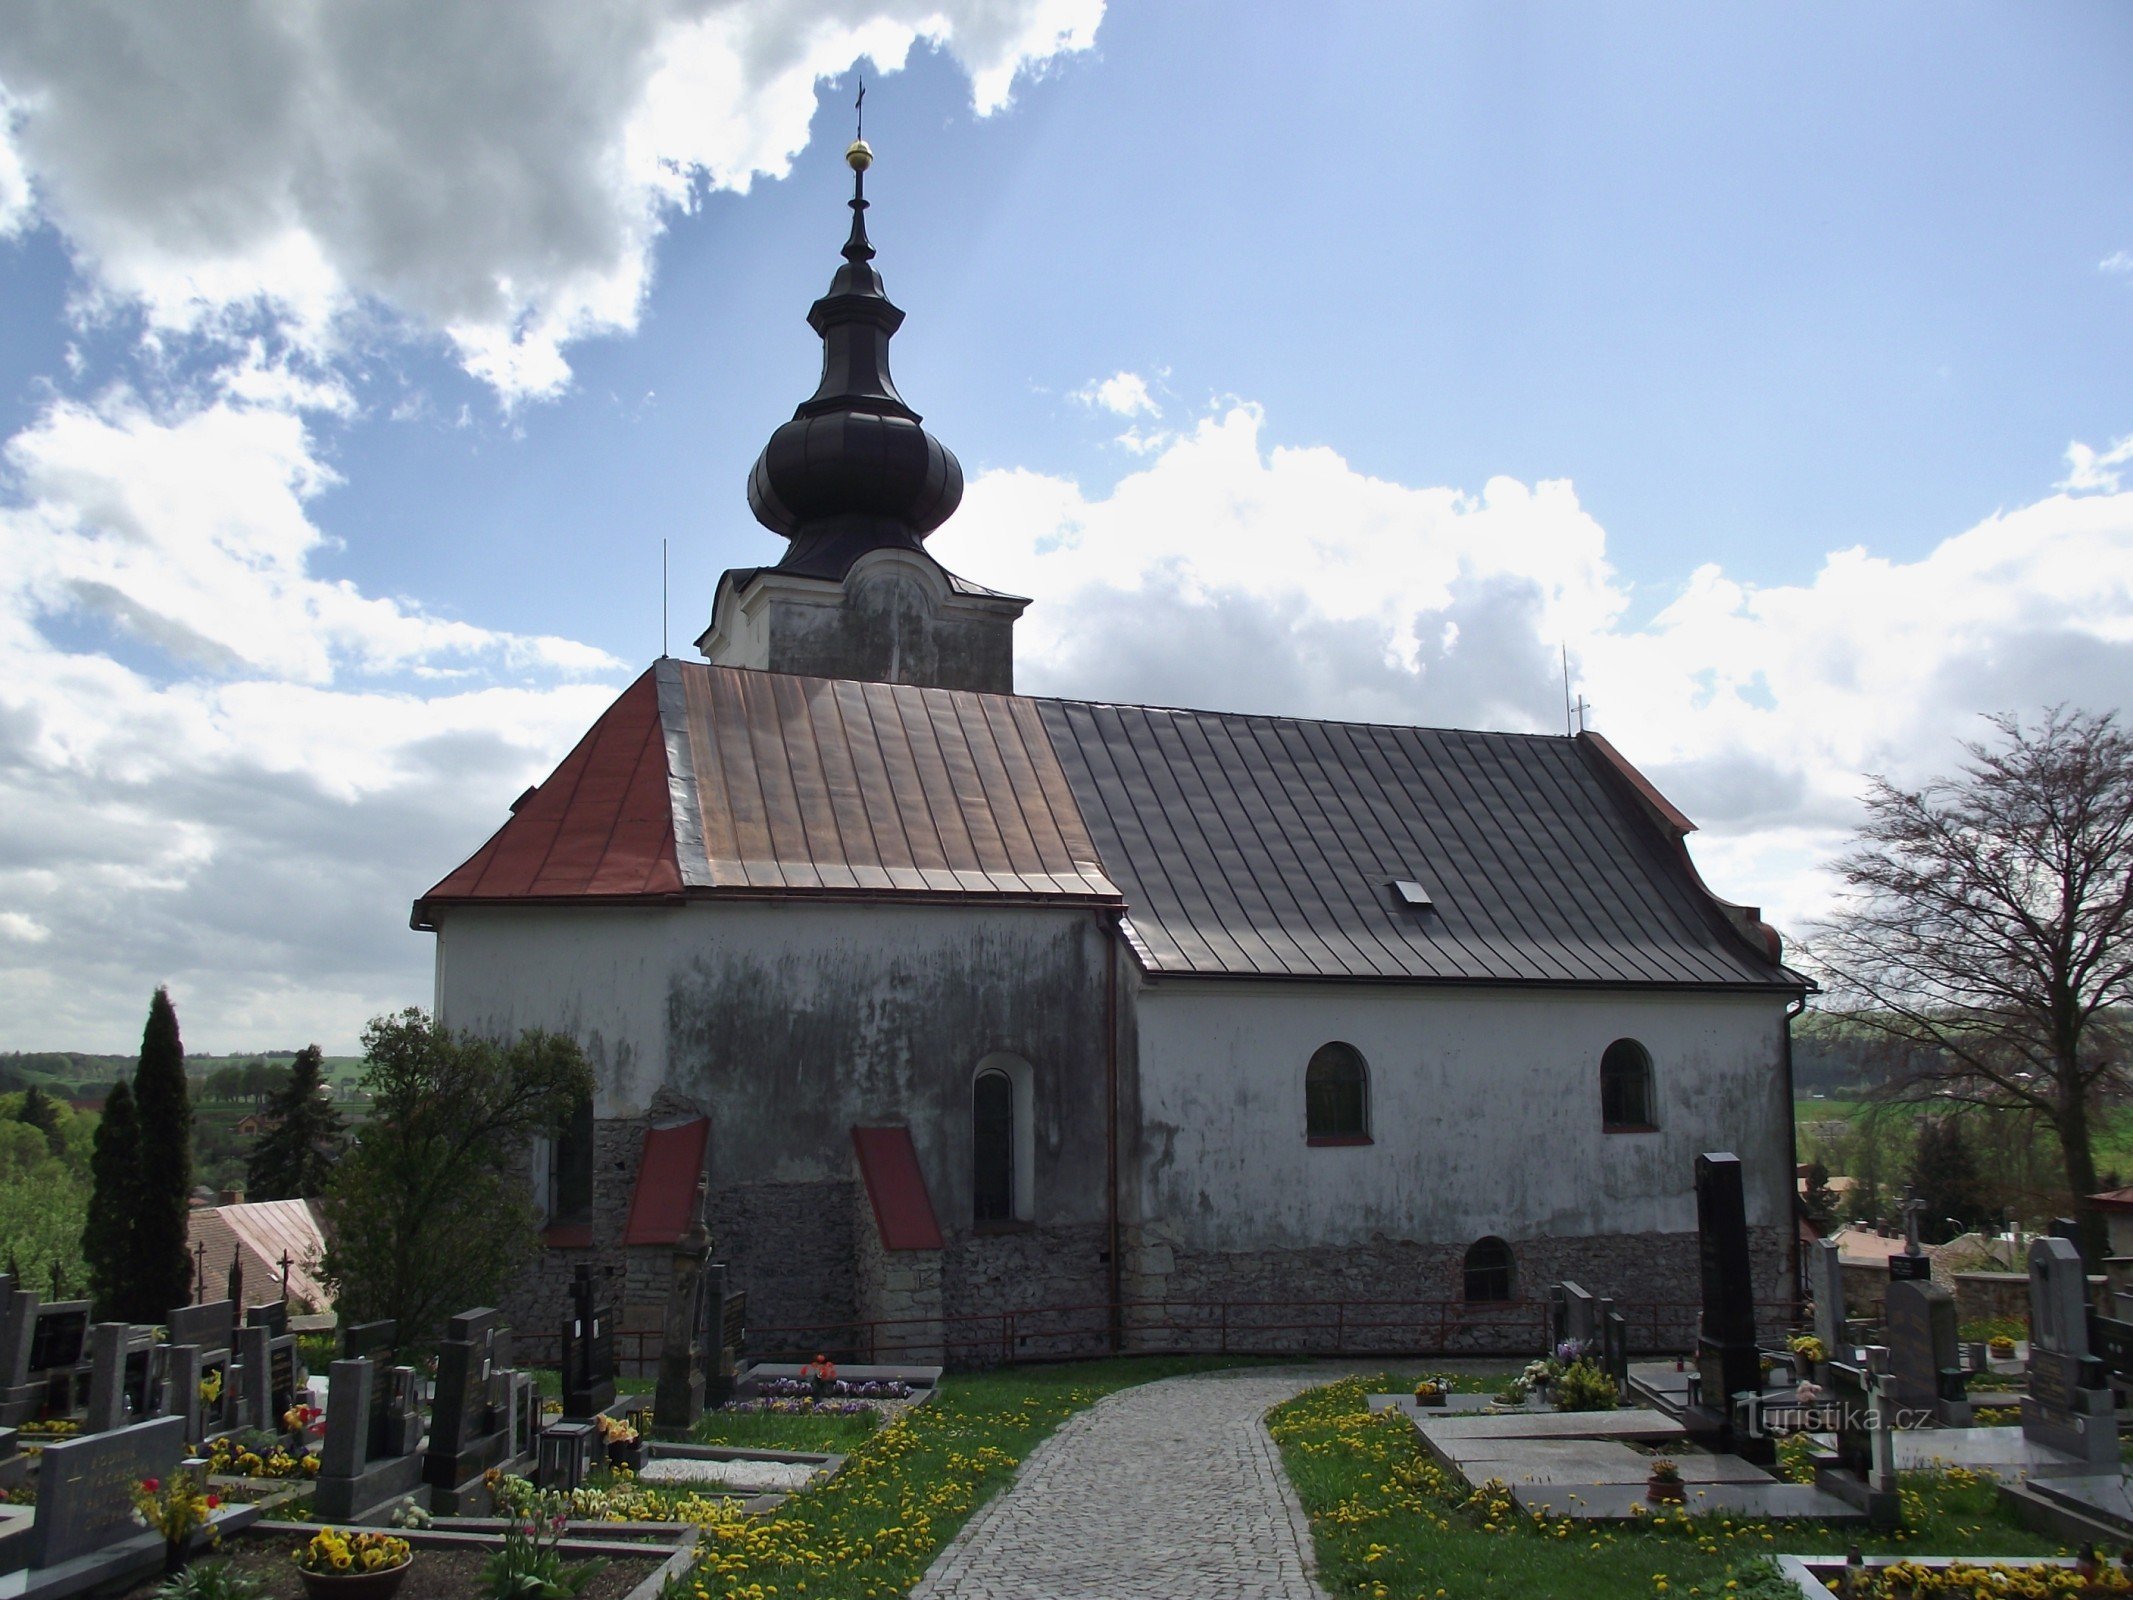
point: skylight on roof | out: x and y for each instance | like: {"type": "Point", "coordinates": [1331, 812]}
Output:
{"type": "Point", "coordinates": [1410, 892]}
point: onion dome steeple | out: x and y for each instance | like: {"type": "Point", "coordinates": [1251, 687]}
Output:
{"type": "Point", "coordinates": [853, 470]}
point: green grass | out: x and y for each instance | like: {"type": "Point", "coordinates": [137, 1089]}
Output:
{"type": "Point", "coordinates": [1390, 1522]}
{"type": "Point", "coordinates": [870, 1532]}
{"type": "Point", "coordinates": [779, 1430]}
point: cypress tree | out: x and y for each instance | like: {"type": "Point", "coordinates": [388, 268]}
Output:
{"type": "Point", "coordinates": [294, 1158]}
{"type": "Point", "coordinates": [159, 1275]}
{"type": "Point", "coordinates": [114, 1195]}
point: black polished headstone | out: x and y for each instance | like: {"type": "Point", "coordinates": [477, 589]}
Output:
{"type": "Point", "coordinates": [1727, 1360]}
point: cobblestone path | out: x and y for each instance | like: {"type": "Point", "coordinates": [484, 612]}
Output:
{"type": "Point", "coordinates": [1167, 1489]}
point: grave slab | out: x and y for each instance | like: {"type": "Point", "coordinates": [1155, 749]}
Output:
{"type": "Point", "coordinates": [1455, 1405]}
{"type": "Point", "coordinates": [1619, 1502]}
{"type": "Point", "coordinates": [2101, 1495]}
{"type": "Point", "coordinates": [1629, 1422]}
{"type": "Point", "coordinates": [1583, 1461]}
{"type": "Point", "coordinates": [2004, 1452]}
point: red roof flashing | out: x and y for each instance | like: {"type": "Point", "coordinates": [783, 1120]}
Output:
{"type": "Point", "coordinates": [602, 826]}
{"type": "Point", "coordinates": [903, 1209]}
{"type": "Point", "coordinates": [665, 1197]}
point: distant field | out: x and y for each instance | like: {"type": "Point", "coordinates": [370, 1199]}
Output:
{"type": "Point", "coordinates": [2112, 1138]}
{"type": "Point", "coordinates": [80, 1073]}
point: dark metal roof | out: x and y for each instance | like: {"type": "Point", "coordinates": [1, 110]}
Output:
{"type": "Point", "coordinates": [1270, 847]}
{"type": "Point", "coordinates": [1237, 846]}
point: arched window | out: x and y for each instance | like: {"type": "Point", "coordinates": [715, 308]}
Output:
{"type": "Point", "coordinates": [1626, 1088]}
{"type": "Point", "coordinates": [1337, 1095]}
{"type": "Point", "coordinates": [1488, 1270]}
{"type": "Point", "coordinates": [992, 1147]}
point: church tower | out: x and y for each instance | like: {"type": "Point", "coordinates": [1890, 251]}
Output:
{"type": "Point", "coordinates": [855, 483]}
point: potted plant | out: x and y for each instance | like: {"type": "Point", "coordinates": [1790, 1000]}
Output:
{"type": "Point", "coordinates": [2001, 1347]}
{"type": "Point", "coordinates": [821, 1376]}
{"type": "Point", "coordinates": [624, 1444]}
{"type": "Point", "coordinates": [177, 1507]}
{"type": "Point", "coordinates": [1809, 1351]}
{"type": "Point", "coordinates": [1431, 1391]}
{"type": "Point", "coordinates": [1664, 1486]}
{"type": "Point", "coordinates": [353, 1564]}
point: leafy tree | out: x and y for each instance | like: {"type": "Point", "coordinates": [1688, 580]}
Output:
{"type": "Point", "coordinates": [1989, 936]}
{"type": "Point", "coordinates": [1947, 1181]}
{"type": "Point", "coordinates": [159, 1270]}
{"type": "Point", "coordinates": [114, 1199]}
{"type": "Point", "coordinates": [1820, 1199]}
{"type": "Point", "coordinates": [224, 1083]}
{"type": "Point", "coordinates": [39, 1111]}
{"type": "Point", "coordinates": [41, 1207]}
{"type": "Point", "coordinates": [426, 1214]}
{"type": "Point", "coordinates": [296, 1156]}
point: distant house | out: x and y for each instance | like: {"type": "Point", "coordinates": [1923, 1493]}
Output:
{"type": "Point", "coordinates": [262, 1233]}
{"type": "Point", "coordinates": [254, 1123]}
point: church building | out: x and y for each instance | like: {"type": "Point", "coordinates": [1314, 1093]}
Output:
{"type": "Point", "coordinates": [1004, 1025]}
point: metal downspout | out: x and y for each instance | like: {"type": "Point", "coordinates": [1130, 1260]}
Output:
{"type": "Point", "coordinates": [1792, 1149]}
{"type": "Point", "coordinates": [1112, 1276]}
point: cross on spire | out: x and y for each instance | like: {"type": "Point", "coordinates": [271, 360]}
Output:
{"type": "Point", "coordinates": [859, 129]}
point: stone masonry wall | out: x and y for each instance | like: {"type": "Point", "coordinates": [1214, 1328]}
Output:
{"type": "Point", "coordinates": [899, 1289]}
{"type": "Point", "coordinates": [987, 1274]}
{"type": "Point", "coordinates": [1278, 1299]}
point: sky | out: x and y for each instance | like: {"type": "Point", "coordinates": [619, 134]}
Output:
{"type": "Point", "coordinates": [1769, 367]}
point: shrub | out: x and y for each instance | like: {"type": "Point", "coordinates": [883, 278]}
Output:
{"type": "Point", "coordinates": [1585, 1386]}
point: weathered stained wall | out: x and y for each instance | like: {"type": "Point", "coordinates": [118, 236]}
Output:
{"type": "Point", "coordinates": [1485, 1120]}
{"type": "Point", "coordinates": [788, 1024]}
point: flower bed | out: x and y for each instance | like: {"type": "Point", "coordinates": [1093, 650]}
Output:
{"type": "Point", "coordinates": [1934, 1577]}
{"type": "Point", "coordinates": [436, 1574]}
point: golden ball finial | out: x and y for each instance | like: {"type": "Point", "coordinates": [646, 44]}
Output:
{"type": "Point", "coordinates": [860, 156]}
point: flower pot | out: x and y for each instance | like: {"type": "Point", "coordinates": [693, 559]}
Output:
{"type": "Point", "coordinates": [626, 1453]}
{"type": "Point", "coordinates": [377, 1585]}
{"type": "Point", "coordinates": [1436, 1399]}
{"type": "Point", "coordinates": [1661, 1491]}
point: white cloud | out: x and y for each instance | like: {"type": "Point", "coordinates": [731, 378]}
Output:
{"type": "Point", "coordinates": [1123, 394]}
{"type": "Point", "coordinates": [500, 184]}
{"type": "Point", "coordinates": [2116, 261]}
{"type": "Point", "coordinates": [219, 769]}
{"type": "Point", "coordinates": [2088, 468]}
{"type": "Point", "coordinates": [1226, 573]}
{"type": "Point", "coordinates": [14, 182]}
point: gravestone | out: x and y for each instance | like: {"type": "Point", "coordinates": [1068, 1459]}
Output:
{"type": "Point", "coordinates": [272, 1316]}
{"type": "Point", "coordinates": [354, 1480]}
{"type": "Point", "coordinates": [1727, 1361]}
{"type": "Point", "coordinates": [365, 1340]}
{"type": "Point", "coordinates": [376, 1343]}
{"type": "Point", "coordinates": [1925, 1361]}
{"type": "Point", "coordinates": [85, 1487]}
{"type": "Point", "coordinates": [1580, 1316]}
{"type": "Point", "coordinates": [19, 1397]}
{"type": "Point", "coordinates": [2069, 1405]}
{"type": "Point", "coordinates": [59, 1341]}
{"type": "Point", "coordinates": [142, 1400]}
{"type": "Point", "coordinates": [525, 1415]}
{"type": "Point", "coordinates": [1825, 1281]}
{"type": "Point", "coordinates": [107, 1377]}
{"type": "Point", "coordinates": [211, 1325]}
{"type": "Point", "coordinates": [1614, 1345]}
{"type": "Point", "coordinates": [255, 1398]}
{"type": "Point", "coordinates": [181, 1386]}
{"type": "Point", "coordinates": [282, 1392]}
{"type": "Point", "coordinates": [470, 1419]}
{"type": "Point", "coordinates": [1862, 1470]}
{"type": "Point", "coordinates": [588, 1349]}
{"type": "Point", "coordinates": [728, 1314]}
{"type": "Point", "coordinates": [1558, 1319]}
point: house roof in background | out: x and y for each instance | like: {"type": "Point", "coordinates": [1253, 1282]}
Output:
{"type": "Point", "coordinates": [262, 1231]}
{"type": "Point", "coordinates": [1236, 846]}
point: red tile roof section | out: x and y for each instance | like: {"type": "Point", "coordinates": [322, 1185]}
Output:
{"type": "Point", "coordinates": [888, 1163]}
{"type": "Point", "coordinates": [602, 826]}
{"type": "Point", "coordinates": [665, 1196]}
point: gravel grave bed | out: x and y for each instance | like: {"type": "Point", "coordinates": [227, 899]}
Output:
{"type": "Point", "coordinates": [756, 1474]}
